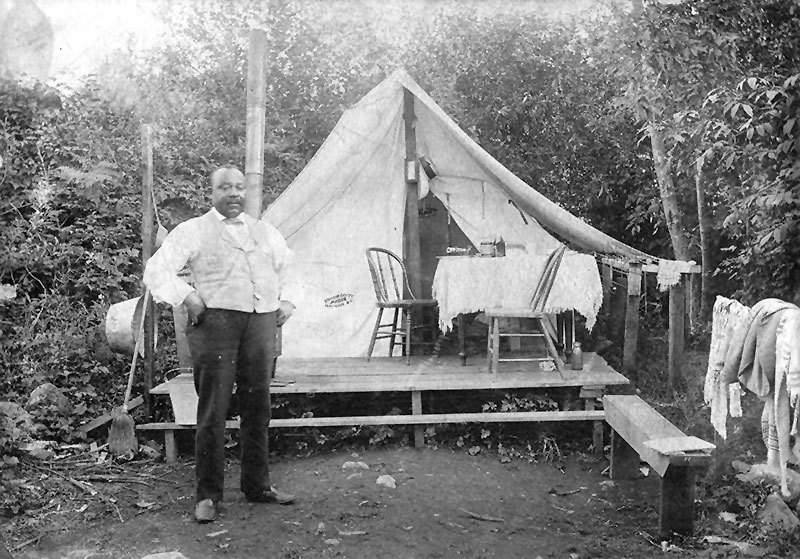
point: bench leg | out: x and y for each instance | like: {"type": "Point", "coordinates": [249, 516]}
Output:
{"type": "Point", "coordinates": [624, 460]}
{"type": "Point", "coordinates": [597, 438]}
{"type": "Point", "coordinates": [416, 409]}
{"type": "Point", "coordinates": [170, 450]}
{"type": "Point", "coordinates": [676, 512]}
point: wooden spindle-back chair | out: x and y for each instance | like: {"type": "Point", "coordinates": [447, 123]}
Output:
{"type": "Point", "coordinates": [534, 312]}
{"type": "Point", "coordinates": [392, 291]}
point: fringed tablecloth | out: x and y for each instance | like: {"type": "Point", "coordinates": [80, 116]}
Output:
{"type": "Point", "coordinates": [467, 284]}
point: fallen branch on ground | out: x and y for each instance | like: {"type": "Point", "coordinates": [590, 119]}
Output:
{"type": "Point", "coordinates": [26, 543]}
{"type": "Point", "coordinates": [558, 493]}
{"type": "Point", "coordinates": [112, 479]}
{"type": "Point", "coordinates": [485, 518]}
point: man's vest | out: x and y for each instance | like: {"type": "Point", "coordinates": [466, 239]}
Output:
{"type": "Point", "coordinates": [233, 275]}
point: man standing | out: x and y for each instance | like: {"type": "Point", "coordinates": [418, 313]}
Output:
{"type": "Point", "coordinates": [236, 301]}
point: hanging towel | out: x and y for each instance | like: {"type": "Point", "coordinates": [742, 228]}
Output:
{"type": "Point", "coordinates": [728, 315]}
{"type": "Point", "coordinates": [786, 365]}
{"type": "Point", "coordinates": [669, 272]}
{"type": "Point", "coordinates": [750, 358]}
{"type": "Point", "coordinates": [792, 334]}
{"type": "Point", "coordinates": [735, 399]}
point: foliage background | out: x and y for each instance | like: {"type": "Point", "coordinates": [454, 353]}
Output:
{"type": "Point", "coordinates": [560, 101]}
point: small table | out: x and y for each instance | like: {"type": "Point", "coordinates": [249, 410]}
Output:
{"type": "Point", "coordinates": [471, 284]}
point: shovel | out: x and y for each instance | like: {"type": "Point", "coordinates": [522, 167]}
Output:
{"type": "Point", "coordinates": [122, 434]}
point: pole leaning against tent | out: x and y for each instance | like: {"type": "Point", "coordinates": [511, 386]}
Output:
{"type": "Point", "coordinates": [148, 244]}
{"type": "Point", "coordinates": [256, 115]}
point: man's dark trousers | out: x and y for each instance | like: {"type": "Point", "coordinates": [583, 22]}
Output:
{"type": "Point", "coordinates": [230, 346]}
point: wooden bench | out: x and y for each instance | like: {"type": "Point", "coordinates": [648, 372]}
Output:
{"type": "Point", "coordinates": [640, 432]}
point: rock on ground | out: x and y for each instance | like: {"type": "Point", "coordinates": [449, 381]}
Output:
{"type": "Point", "coordinates": [48, 394]}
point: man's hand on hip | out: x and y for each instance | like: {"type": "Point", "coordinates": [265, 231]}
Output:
{"type": "Point", "coordinates": [196, 307]}
{"type": "Point", "coordinates": [284, 312]}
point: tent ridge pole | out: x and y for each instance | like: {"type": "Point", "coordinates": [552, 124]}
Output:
{"type": "Point", "coordinates": [411, 169]}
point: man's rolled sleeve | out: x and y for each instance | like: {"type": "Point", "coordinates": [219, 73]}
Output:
{"type": "Point", "coordinates": [161, 272]}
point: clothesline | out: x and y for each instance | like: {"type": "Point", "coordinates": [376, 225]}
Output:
{"type": "Point", "coordinates": [625, 270]}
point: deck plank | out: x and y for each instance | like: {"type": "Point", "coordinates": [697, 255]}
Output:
{"type": "Point", "coordinates": [422, 419]}
{"type": "Point", "coordinates": [318, 376]}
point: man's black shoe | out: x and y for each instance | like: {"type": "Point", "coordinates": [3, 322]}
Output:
{"type": "Point", "coordinates": [270, 495]}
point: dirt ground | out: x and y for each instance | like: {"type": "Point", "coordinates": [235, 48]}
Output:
{"type": "Point", "coordinates": [446, 504]}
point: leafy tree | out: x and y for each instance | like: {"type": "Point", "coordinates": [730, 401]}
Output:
{"type": "Point", "coordinates": [541, 97]}
{"type": "Point", "coordinates": [192, 88]}
{"type": "Point", "coordinates": [66, 217]}
{"type": "Point", "coordinates": [686, 57]}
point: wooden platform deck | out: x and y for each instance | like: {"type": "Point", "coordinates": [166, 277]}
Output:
{"type": "Point", "coordinates": [425, 374]}
{"type": "Point", "coordinates": [391, 374]}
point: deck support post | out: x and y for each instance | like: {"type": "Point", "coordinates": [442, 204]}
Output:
{"type": "Point", "coordinates": [590, 395]}
{"type": "Point", "coordinates": [632, 319]}
{"type": "Point", "coordinates": [416, 409]}
{"type": "Point", "coordinates": [677, 322]}
{"type": "Point", "coordinates": [607, 281]}
{"type": "Point", "coordinates": [597, 429]}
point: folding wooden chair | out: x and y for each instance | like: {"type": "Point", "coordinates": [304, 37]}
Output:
{"type": "Point", "coordinates": [391, 284]}
{"type": "Point", "coordinates": [535, 312]}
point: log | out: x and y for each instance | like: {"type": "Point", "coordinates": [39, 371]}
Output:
{"type": "Point", "coordinates": [106, 417]}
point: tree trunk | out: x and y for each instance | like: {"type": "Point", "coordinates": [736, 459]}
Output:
{"type": "Point", "coordinates": [669, 197]}
{"type": "Point", "coordinates": [704, 222]}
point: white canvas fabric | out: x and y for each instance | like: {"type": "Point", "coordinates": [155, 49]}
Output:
{"type": "Point", "coordinates": [351, 196]}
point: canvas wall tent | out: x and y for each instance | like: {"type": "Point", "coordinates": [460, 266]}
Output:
{"type": "Point", "coordinates": [352, 195]}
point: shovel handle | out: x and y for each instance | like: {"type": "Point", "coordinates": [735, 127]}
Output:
{"type": "Point", "coordinates": [136, 348]}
